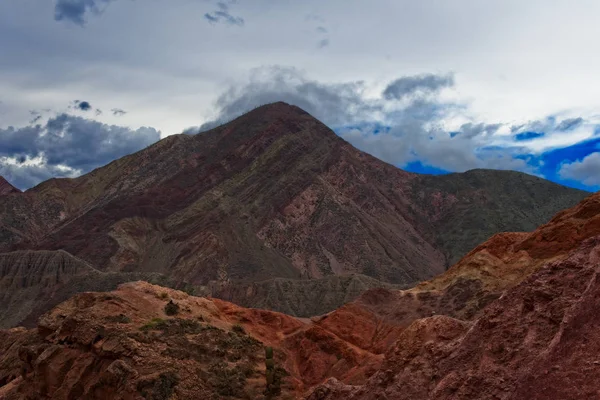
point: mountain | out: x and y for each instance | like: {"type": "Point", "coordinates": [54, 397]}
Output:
{"type": "Point", "coordinates": [6, 187]}
{"type": "Point", "coordinates": [272, 195]}
{"type": "Point", "coordinates": [33, 282]}
{"type": "Point", "coordinates": [516, 318]}
{"type": "Point", "coordinates": [536, 339]}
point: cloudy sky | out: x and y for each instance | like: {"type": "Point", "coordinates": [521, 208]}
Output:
{"type": "Point", "coordinates": [430, 86]}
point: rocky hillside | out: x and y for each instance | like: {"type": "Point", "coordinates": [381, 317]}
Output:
{"type": "Point", "coordinates": [513, 319]}
{"type": "Point", "coordinates": [145, 341]}
{"type": "Point", "coordinates": [272, 194]}
{"type": "Point", "coordinates": [33, 282]}
{"type": "Point", "coordinates": [7, 188]}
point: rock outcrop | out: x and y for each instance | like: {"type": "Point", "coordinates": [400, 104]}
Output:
{"type": "Point", "coordinates": [127, 344]}
{"type": "Point", "coordinates": [525, 302]}
{"type": "Point", "coordinates": [538, 341]}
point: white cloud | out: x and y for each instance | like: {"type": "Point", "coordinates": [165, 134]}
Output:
{"type": "Point", "coordinates": [586, 171]}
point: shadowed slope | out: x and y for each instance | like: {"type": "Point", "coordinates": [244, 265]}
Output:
{"type": "Point", "coordinates": [6, 187]}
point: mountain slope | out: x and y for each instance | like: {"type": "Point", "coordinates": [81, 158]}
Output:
{"type": "Point", "coordinates": [272, 194]}
{"type": "Point", "coordinates": [538, 340]}
{"type": "Point", "coordinates": [513, 319]}
{"type": "Point", "coordinates": [6, 187]}
{"type": "Point", "coordinates": [32, 282]}
{"type": "Point", "coordinates": [473, 283]}
{"type": "Point", "coordinates": [123, 345]}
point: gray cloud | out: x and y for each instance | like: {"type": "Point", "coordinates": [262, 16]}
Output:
{"type": "Point", "coordinates": [76, 10]}
{"type": "Point", "coordinates": [323, 43]}
{"type": "Point", "coordinates": [83, 105]}
{"type": "Point", "coordinates": [569, 124]}
{"type": "Point", "coordinates": [471, 130]}
{"type": "Point", "coordinates": [378, 126]}
{"type": "Point", "coordinates": [409, 85]}
{"type": "Point", "coordinates": [586, 171]}
{"type": "Point", "coordinates": [223, 15]}
{"type": "Point", "coordinates": [117, 112]}
{"type": "Point", "coordinates": [66, 143]}
{"type": "Point", "coordinates": [549, 124]}
{"type": "Point", "coordinates": [334, 104]}
{"type": "Point", "coordinates": [24, 175]}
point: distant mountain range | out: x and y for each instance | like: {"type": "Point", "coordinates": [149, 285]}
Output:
{"type": "Point", "coordinates": [247, 209]}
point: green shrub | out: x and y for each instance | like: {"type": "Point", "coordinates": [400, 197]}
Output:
{"type": "Point", "coordinates": [237, 328]}
{"type": "Point", "coordinates": [171, 308]}
{"type": "Point", "coordinates": [164, 386]}
{"type": "Point", "coordinates": [163, 296]}
{"type": "Point", "coordinates": [118, 319]}
{"type": "Point", "coordinates": [154, 324]}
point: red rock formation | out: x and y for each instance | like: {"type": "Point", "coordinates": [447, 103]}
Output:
{"type": "Point", "coordinates": [540, 340]}
{"type": "Point", "coordinates": [122, 344]}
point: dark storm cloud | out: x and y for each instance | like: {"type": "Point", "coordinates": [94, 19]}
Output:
{"type": "Point", "coordinates": [83, 105]}
{"type": "Point", "coordinates": [408, 85]}
{"type": "Point", "coordinates": [223, 15]}
{"type": "Point", "coordinates": [67, 143]}
{"type": "Point", "coordinates": [76, 10]}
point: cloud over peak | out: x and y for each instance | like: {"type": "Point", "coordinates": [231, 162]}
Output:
{"type": "Point", "coordinates": [408, 85]}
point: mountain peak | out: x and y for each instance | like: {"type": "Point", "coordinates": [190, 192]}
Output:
{"type": "Point", "coordinates": [277, 110]}
{"type": "Point", "coordinates": [6, 187]}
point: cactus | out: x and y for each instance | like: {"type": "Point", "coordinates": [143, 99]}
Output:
{"type": "Point", "coordinates": [273, 381]}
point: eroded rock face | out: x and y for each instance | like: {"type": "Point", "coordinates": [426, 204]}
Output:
{"type": "Point", "coordinates": [538, 341]}
{"type": "Point", "coordinates": [473, 283]}
{"type": "Point", "coordinates": [122, 345]}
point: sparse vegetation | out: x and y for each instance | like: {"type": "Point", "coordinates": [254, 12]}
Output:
{"type": "Point", "coordinates": [118, 319]}
{"type": "Point", "coordinates": [228, 381]}
{"type": "Point", "coordinates": [159, 389]}
{"type": "Point", "coordinates": [152, 325]}
{"type": "Point", "coordinates": [239, 329]}
{"type": "Point", "coordinates": [163, 296]}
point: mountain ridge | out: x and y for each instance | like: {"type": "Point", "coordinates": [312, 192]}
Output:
{"type": "Point", "coordinates": [271, 194]}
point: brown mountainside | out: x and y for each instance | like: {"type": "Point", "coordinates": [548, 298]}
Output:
{"type": "Point", "coordinates": [7, 188]}
{"type": "Point", "coordinates": [538, 340]}
{"type": "Point", "coordinates": [272, 194]}
{"type": "Point", "coordinates": [513, 319]}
